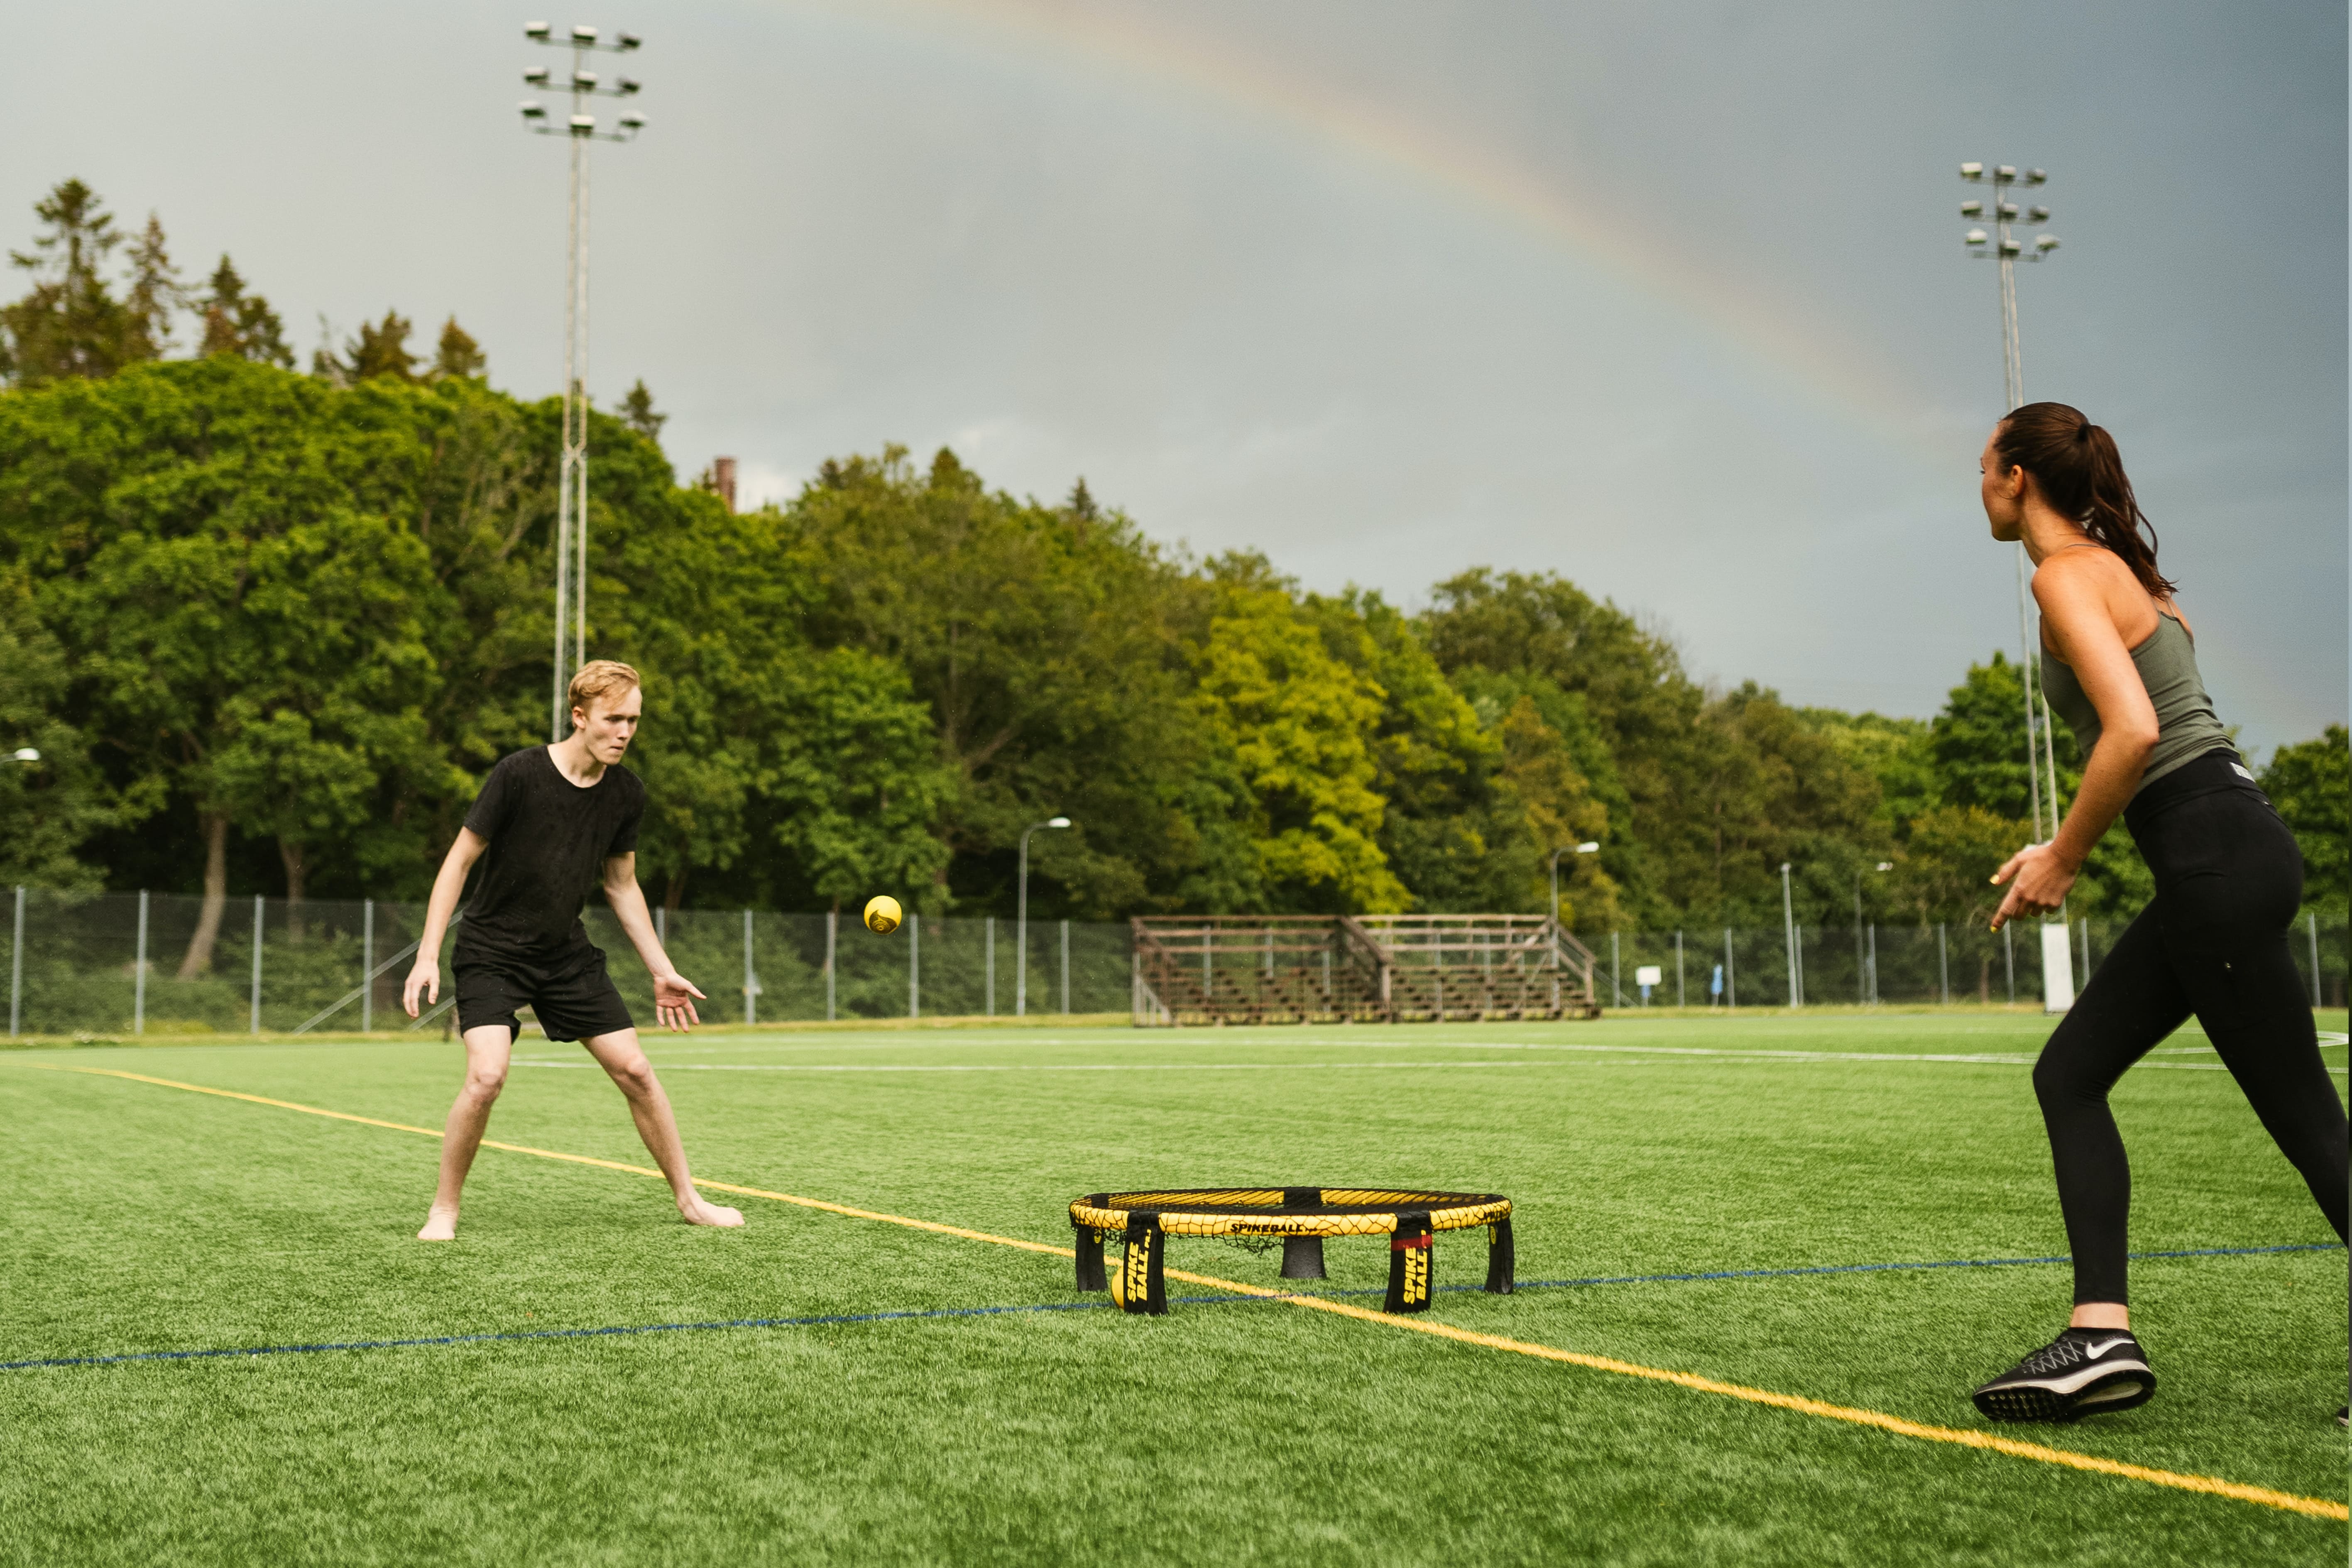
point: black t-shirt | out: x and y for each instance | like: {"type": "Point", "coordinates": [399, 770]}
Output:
{"type": "Point", "coordinates": [548, 841]}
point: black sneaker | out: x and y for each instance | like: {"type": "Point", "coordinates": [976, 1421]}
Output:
{"type": "Point", "coordinates": [2082, 1371]}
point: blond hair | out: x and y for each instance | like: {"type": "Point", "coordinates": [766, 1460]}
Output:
{"type": "Point", "coordinates": [601, 678]}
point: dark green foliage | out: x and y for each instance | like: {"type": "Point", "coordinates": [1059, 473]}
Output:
{"type": "Point", "coordinates": [71, 324]}
{"type": "Point", "coordinates": [457, 354]}
{"type": "Point", "coordinates": [2311, 785]}
{"type": "Point", "coordinates": [240, 323]}
{"type": "Point", "coordinates": [637, 412]}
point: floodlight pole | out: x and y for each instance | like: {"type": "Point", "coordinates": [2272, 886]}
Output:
{"type": "Point", "coordinates": [2006, 249]}
{"type": "Point", "coordinates": [1021, 925]}
{"type": "Point", "coordinates": [571, 464]}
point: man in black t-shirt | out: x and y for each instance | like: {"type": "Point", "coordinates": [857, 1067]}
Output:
{"type": "Point", "coordinates": [551, 824]}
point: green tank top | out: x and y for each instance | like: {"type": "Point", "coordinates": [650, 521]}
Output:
{"type": "Point", "coordinates": [2186, 725]}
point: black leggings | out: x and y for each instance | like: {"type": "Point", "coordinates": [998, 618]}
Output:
{"type": "Point", "coordinates": [2213, 942]}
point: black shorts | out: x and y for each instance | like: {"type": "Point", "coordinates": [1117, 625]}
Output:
{"type": "Point", "coordinates": [571, 996]}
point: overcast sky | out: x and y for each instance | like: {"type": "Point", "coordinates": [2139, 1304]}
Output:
{"type": "Point", "coordinates": [1669, 299]}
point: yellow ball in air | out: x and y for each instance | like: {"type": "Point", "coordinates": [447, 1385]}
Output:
{"type": "Point", "coordinates": [882, 914]}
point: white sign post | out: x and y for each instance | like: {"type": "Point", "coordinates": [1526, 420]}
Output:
{"type": "Point", "coordinates": [2057, 968]}
{"type": "Point", "coordinates": [1647, 976]}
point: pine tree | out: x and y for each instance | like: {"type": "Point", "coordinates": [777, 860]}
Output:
{"type": "Point", "coordinates": [239, 323]}
{"type": "Point", "coordinates": [71, 324]}
{"type": "Point", "coordinates": [637, 412]}
{"type": "Point", "coordinates": [459, 355]}
{"type": "Point", "coordinates": [156, 293]}
{"type": "Point", "coordinates": [381, 349]}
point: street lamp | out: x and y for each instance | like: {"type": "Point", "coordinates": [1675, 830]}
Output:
{"type": "Point", "coordinates": [2003, 245]}
{"type": "Point", "coordinates": [25, 754]}
{"type": "Point", "coordinates": [1021, 924]}
{"type": "Point", "coordinates": [1585, 848]}
{"type": "Point", "coordinates": [1865, 969]}
{"type": "Point", "coordinates": [572, 466]}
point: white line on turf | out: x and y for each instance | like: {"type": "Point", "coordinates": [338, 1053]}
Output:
{"type": "Point", "coordinates": [1306, 1067]}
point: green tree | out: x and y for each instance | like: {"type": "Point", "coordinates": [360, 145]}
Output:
{"type": "Point", "coordinates": [71, 324]}
{"type": "Point", "coordinates": [52, 803]}
{"type": "Point", "coordinates": [637, 412]}
{"type": "Point", "coordinates": [1978, 741]}
{"type": "Point", "coordinates": [240, 323]}
{"type": "Point", "coordinates": [1050, 649]}
{"type": "Point", "coordinates": [245, 632]}
{"type": "Point", "coordinates": [457, 354]}
{"type": "Point", "coordinates": [379, 352]}
{"type": "Point", "coordinates": [2311, 783]}
{"type": "Point", "coordinates": [1303, 727]}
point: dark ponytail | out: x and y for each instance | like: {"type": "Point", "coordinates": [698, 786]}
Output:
{"type": "Point", "coordinates": [2081, 475]}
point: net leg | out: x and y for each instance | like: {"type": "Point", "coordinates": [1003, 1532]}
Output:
{"type": "Point", "coordinates": [1302, 1257]}
{"type": "Point", "coordinates": [1141, 1286]}
{"type": "Point", "coordinates": [1501, 1267]}
{"type": "Point", "coordinates": [1410, 1258]}
{"type": "Point", "coordinates": [1090, 1262]}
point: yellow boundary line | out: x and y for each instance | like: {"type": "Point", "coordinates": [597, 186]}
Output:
{"type": "Point", "coordinates": [2211, 1486]}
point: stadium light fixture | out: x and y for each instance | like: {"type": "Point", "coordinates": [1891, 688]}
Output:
{"type": "Point", "coordinates": [1021, 922]}
{"type": "Point", "coordinates": [571, 469]}
{"type": "Point", "coordinates": [28, 754]}
{"type": "Point", "coordinates": [2008, 248]}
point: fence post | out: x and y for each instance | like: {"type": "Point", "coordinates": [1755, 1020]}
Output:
{"type": "Point", "coordinates": [1065, 965]}
{"type": "Point", "coordinates": [1679, 1000]}
{"type": "Point", "coordinates": [2310, 927]}
{"type": "Point", "coordinates": [2009, 960]}
{"type": "Point", "coordinates": [831, 937]}
{"type": "Point", "coordinates": [1943, 962]}
{"type": "Point", "coordinates": [1874, 964]}
{"type": "Point", "coordinates": [255, 1018]}
{"type": "Point", "coordinates": [1788, 935]}
{"type": "Point", "coordinates": [1616, 992]}
{"type": "Point", "coordinates": [988, 958]}
{"type": "Point", "coordinates": [16, 969]}
{"type": "Point", "coordinates": [914, 966]}
{"type": "Point", "coordinates": [661, 924]}
{"type": "Point", "coordinates": [2086, 949]}
{"type": "Point", "coordinates": [751, 985]}
{"type": "Point", "coordinates": [138, 972]}
{"type": "Point", "coordinates": [1731, 976]}
{"type": "Point", "coordinates": [367, 964]}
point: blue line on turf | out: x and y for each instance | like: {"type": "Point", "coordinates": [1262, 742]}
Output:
{"type": "Point", "coordinates": [823, 1319]}
{"type": "Point", "coordinates": [553, 1334]}
{"type": "Point", "coordinates": [1816, 1269]}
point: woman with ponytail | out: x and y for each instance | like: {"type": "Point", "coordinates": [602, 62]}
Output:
{"type": "Point", "coordinates": [2120, 665]}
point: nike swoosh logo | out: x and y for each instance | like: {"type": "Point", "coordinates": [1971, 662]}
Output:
{"type": "Point", "coordinates": [2104, 1346]}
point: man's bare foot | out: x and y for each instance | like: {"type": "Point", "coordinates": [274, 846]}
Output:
{"type": "Point", "coordinates": [700, 1210]}
{"type": "Point", "coordinates": [441, 1225]}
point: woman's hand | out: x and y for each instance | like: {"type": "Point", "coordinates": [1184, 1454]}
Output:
{"type": "Point", "coordinates": [2038, 880]}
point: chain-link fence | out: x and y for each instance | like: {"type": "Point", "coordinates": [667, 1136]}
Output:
{"type": "Point", "coordinates": [1818, 966]}
{"type": "Point", "coordinates": [141, 963]}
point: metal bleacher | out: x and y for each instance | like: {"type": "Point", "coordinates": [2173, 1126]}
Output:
{"type": "Point", "coordinates": [1393, 969]}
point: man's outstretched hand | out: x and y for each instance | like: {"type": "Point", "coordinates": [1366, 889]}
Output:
{"type": "Point", "coordinates": [674, 998]}
{"type": "Point", "coordinates": [425, 980]}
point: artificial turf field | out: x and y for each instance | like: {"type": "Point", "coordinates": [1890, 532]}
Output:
{"type": "Point", "coordinates": [144, 1218]}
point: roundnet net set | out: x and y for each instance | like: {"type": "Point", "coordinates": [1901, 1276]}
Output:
{"type": "Point", "coordinates": [1298, 1217]}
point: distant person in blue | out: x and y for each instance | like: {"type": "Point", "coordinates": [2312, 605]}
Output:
{"type": "Point", "coordinates": [1715, 993]}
